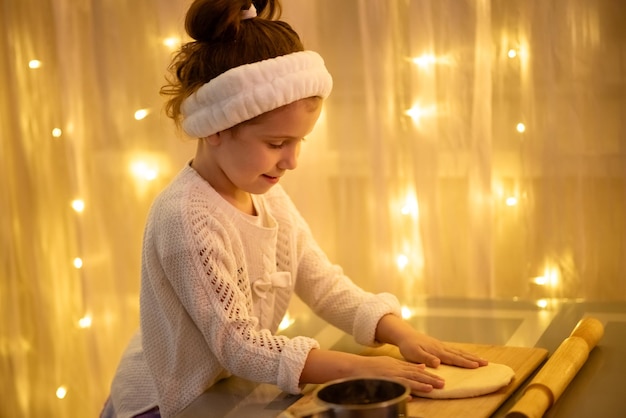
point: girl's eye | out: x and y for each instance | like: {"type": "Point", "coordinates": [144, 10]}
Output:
{"type": "Point", "coordinates": [280, 145]}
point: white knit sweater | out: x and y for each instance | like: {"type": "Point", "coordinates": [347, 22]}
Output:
{"type": "Point", "coordinates": [215, 285]}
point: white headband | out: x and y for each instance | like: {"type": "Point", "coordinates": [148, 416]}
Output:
{"type": "Point", "coordinates": [250, 90]}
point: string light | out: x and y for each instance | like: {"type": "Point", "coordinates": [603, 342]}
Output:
{"type": "Point", "coordinates": [511, 201]}
{"type": "Point", "coordinates": [550, 277]}
{"type": "Point", "coordinates": [85, 321]}
{"type": "Point", "coordinates": [425, 60]}
{"type": "Point", "coordinates": [512, 53]}
{"type": "Point", "coordinates": [61, 392]}
{"type": "Point", "coordinates": [542, 303]}
{"type": "Point", "coordinates": [417, 112]}
{"type": "Point", "coordinates": [57, 132]}
{"type": "Point", "coordinates": [143, 171]}
{"type": "Point", "coordinates": [34, 64]}
{"type": "Point", "coordinates": [411, 206]}
{"type": "Point", "coordinates": [286, 322]}
{"type": "Point", "coordinates": [406, 312]}
{"type": "Point", "coordinates": [171, 42]}
{"type": "Point", "coordinates": [78, 262]}
{"type": "Point", "coordinates": [402, 261]}
{"type": "Point", "coordinates": [78, 205]}
{"type": "Point", "coordinates": [521, 128]}
{"type": "Point", "coordinates": [141, 114]}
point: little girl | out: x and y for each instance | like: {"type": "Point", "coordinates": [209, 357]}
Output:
{"type": "Point", "coordinates": [225, 248]}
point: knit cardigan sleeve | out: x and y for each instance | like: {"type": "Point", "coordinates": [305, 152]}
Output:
{"type": "Point", "coordinates": [332, 295]}
{"type": "Point", "coordinates": [196, 313]}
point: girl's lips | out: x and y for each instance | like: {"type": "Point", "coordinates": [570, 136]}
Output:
{"type": "Point", "coordinates": [271, 179]}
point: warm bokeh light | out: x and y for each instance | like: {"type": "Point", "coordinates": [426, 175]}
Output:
{"type": "Point", "coordinates": [511, 201]}
{"type": "Point", "coordinates": [143, 170]}
{"type": "Point", "coordinates": [551, 274]}
{"type": "Point", "coordinates": [78, 205]}
{"type": "Point", "coordinates": [512, 53]}
{"type": "Point", "coordinates": [172, 42]}
{"type": "Point", "coordinates": [78, 262]}
{"type": "Point", "coordinates": [550, 277]}
{"type": "Point", "coordinates": [406, 312]}
{"type": "Point", "coordinates": [418, 112]}
{"type": "Point", "coordinates": [425, 60]}
{"type": "Point", "coordinates": [411, 206]}
{"type": "Point", "coordinates": [57, 132]}
{"type": "Point", "coordinates": [141, 114]}
{"type": "Point", "coordinates": [286, 322]}
{"type": "Point", "coordinates": [34, 64]}
{"type": "Point", "coordinates": [520, 127]}
{"type": "Point", "coordinates": [85, 322]}
{"type": "Point", "coordinates": [402, 261]}
{"type": "Point", "coordinates": [61, 392]}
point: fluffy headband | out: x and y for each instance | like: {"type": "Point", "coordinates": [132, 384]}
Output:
{"type": "Point", "coordinates": [250, 90]}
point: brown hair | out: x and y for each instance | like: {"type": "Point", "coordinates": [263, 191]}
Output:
{"type": "Point", "coordinates": [221, 41]}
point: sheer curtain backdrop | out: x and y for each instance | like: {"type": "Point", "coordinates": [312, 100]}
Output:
{"type": "Point", "coordinates": [470, 149]}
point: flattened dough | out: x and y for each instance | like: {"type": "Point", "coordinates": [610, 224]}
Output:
{"type": "Point", "coordinates": [467, 383]}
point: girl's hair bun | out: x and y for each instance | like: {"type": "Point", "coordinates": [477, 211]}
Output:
{"type": "Point", "coordinates": [220, 20]}
{"type": "Point", "coordinates": [223, 38]}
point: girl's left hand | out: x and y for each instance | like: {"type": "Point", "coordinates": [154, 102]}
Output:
{"type": "Point", "coordinates": [421, 348]}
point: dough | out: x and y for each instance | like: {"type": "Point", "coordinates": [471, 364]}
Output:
{"type": "Point", "coordinates": [467, 383]}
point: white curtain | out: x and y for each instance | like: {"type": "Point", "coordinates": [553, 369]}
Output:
{"type": "Point", "coordinates": [470, 149]}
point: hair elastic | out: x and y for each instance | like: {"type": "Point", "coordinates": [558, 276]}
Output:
{"type": "Point", "coordinates": [250, 90]}
{"type": "Point", "coordinates": [250, 13]}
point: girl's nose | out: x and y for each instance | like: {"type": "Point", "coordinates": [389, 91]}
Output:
{"type": "Point", "coordinates": [289, 157]}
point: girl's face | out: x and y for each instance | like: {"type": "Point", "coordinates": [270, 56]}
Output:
{"type": "Point", "coordinates": [253, 156]}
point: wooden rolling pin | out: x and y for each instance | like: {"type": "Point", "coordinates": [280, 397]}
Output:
{"type": "Point", "coordinates": [550, 382]}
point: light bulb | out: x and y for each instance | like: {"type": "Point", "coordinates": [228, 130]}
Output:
{"type": "Point", "coordinates": [417, 112]}
{"type": "Point", "coordinates": [171, 42]}
{"type": "Point", "coordinates": [78, 205]}
{"type": "Point", "coordinates": [84, 322]}
{"type": "Point", "coordinates": [411, 206]}
{"type": "Point", "coordinates": [144, 171]}
{"type": "Point", "coordinates": [402, 261]}
{"type": "Point", "coordinates": [61, 392]}
{"type": "Point", "coordinates": [425, 60]}
{"type": "Point", "coordinates": [141, 114]}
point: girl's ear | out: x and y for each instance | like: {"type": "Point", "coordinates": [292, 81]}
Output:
{"type": "Point", "coordinates": [214, 139]}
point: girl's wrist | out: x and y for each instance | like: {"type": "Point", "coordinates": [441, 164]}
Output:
{"type": "Point", "coordinates": [392, 329]}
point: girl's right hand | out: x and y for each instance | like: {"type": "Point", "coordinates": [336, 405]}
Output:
{"type": "Point", "coordinates": [323, 366]}
{"type": "Point", "coordinates": [413, 375]}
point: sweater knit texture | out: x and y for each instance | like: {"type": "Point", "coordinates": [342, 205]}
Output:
{"type": "Point", "coordinates": [215, 285]}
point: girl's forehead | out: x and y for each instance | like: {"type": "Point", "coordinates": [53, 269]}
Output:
{"type": "Point", "coordinates": [294, 120]}
{"type": "Point", "coordinates": [310, 104]}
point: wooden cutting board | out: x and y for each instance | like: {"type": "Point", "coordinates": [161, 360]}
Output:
{"type": "Point", "coordinates": [522, 360]}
